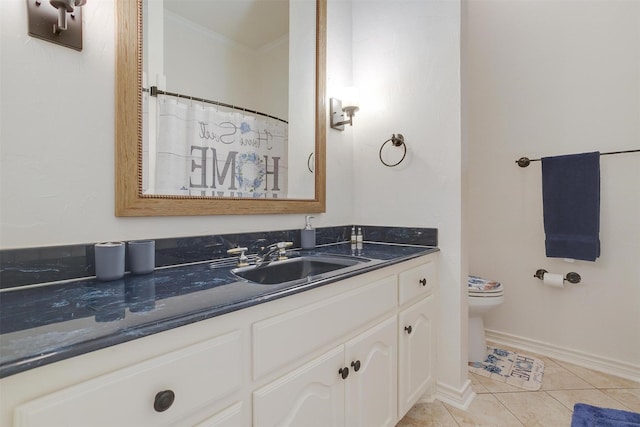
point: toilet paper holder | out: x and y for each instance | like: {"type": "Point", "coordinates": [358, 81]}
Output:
{"type": "Point", "coordinates": [571, 277]}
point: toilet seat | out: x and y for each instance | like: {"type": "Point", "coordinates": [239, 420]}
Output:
{"type": "Point", "coordinates": [484, 288]}
{"type": "Point", "coordinates": [485, 294]}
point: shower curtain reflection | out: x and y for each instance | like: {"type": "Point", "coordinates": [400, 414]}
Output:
{"type": "Point", "coordinates": [212, 151]}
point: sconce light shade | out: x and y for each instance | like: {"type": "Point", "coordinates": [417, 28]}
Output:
{"type": "Point", "coordinates": [351, 98]}
{"type": "Point", "coordinates": [349, 105]}
{"type": "Point", "coordinates": [56, 21]}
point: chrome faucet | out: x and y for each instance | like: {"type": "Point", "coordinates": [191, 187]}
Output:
{"type": "Point", "coordinates": [279, 248]}
{"type": "Point", "coordinates": [243, 261]}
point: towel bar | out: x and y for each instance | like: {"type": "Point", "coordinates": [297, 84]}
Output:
{"type": "Point", "coordinates": [523, 162]}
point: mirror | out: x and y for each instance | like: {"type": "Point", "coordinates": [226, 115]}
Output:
{"type": "Point", "coordinates": [131, 165]}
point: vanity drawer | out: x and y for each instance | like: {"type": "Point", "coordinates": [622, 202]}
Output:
{"type": "Point", "coordinates": [287, 339]}
{"type": "Point", "coordinates": [197, 376]}
{"type": "Point", "coordinates": [417, 282]}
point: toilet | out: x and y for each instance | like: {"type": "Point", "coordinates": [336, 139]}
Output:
{"type": "Point", "coordinates": [484, 295]}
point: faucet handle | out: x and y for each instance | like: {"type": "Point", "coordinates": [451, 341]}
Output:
{"type": "Point", "coordinates": [282, 249]}
{"type": "Point", "coordinates": [243, 261]}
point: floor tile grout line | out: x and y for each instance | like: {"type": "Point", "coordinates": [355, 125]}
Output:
{"type": "Point", "coordinates": [557, 400]}
{"type": "Point", "coordinates": [509, 411]}
{"type": "Point", "coordinates": [620, 402]}
{"type": "Point", "coordinates": [588, 369]}
{"type": "Point", "coordinates": [451, 415]}
{"type": "Point", "coordinates": [595, 386]}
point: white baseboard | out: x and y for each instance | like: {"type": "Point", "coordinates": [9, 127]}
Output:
{"type": "Point", "coordinates": [587, 360]}
{"type": "Point", "coordinates": [460, 399]}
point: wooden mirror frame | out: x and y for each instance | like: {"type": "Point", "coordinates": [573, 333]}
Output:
{"type": "Point", "coordinates": [128, 135]}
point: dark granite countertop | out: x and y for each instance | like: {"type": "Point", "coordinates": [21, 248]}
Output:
{"type": "Point", "coordinates": [45, 324]}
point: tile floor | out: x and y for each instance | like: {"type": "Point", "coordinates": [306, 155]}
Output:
{"type": "Point", "coordinates": [500, 405]}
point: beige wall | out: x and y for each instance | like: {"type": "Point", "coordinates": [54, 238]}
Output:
{"type": "Point", "coordinates": [545, 78]}
{"type": "Point", "coordinates": [406, 62]}
{"type": "Point", "coordinates": [57, 142]}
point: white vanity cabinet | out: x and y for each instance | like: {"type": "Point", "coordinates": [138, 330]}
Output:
{"type": "Point", "coordinates": [416, 359]}
{"type": "Point", "coordinates": [159, 392]}
{"type": "Point", "coordinates": [418, 282]}
{"type": "Point", "coordinates": [372, 359]}
{"type": "Point", "coordinates": [416, 332]}
{"type": "Point", "coordinates": [312, 395]}
{"type": "Point", "coordinates": [277, 363]}
{"type": "Point", "coordinates": [315, 393]}
{"type": "Point", "coordinates": [285, 340]}
{"type": "Point", "coordinates": [233, 416]}
{"type": "Point", "coordinates": [351, 385]}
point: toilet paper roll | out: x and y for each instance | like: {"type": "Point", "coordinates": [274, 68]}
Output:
{"type": "Point", "coordinates": [555, 280]}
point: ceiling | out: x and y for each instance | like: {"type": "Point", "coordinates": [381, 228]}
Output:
{"type": "Point", "coordinates": [252, 23]}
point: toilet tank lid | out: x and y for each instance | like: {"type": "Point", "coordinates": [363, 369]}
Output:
{"type": "Point", "coordinates": [479, 284]}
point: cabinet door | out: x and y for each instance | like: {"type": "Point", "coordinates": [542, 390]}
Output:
{"type": "Point", "coordinates": [371, 388]}
{"type": "Point", "coordinates": [416, 332]}
{"type": "Point", "coordinates": [312, 395]}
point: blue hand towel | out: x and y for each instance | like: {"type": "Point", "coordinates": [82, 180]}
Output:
{"type": "Point", "coordinates": [571, 205]}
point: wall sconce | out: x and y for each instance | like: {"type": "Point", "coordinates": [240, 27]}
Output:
{"type": "Point", "coordinates": [50, 23]}
{"type": "Point", "coordinates": [338, 108]}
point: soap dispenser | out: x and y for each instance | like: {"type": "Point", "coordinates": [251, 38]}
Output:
{"type": "Point", "coordinates": [308, 234]}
